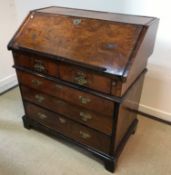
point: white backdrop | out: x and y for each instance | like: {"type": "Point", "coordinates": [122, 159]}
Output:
{"type": "Point", "coordinates": [8, 18]}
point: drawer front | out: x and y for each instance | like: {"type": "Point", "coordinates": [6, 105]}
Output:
{"type": "Point", "coordinates": [94, 120]}
{"type": "Point", "coordinates": [70, 95]}
{"type": "Point", "coordinates": [36, 63]}
{"type": "Point", "coordinates": [85, 78]}
{"type": "Point", "coordinates": [68, 128]}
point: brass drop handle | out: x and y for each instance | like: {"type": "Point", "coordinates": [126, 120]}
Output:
{"type": "Point", "coordinates": [62, 120]}
{"type": "Point", "coordinates": [85, 135]}
{"type": "Point", "coordinates": [39, 98]}
{"type": "Point", "coordinates": [80, 78]}
{"type": "Point", "coordinates": [41, 116]}
{"type": "Point", "coordinates": [85, 116]}
{"type": "Point", "coordinates": [84, 100]}
{"type": "Point", "coordinates": [38, 66]}
{"type": "Point", "coordinates": [36, 83]}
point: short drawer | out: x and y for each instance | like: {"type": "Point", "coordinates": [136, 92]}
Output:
{"type": "Point", "coordinates": [85, 78]}
{"type": "Point", "coordinates": [94, 120]}
{"type": "Point", "coordinates": [69, 128]}
{"type": "Point", "coordinates": [71, 95]}
{"type": "Point", "coordinates": [36, 63]}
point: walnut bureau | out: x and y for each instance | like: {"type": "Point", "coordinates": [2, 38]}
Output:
{"type": "Point", "coordinates": [81, 74]}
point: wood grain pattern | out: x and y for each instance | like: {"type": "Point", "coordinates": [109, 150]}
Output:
{"type": "Point", "coordinates": [68, 128]}
{"type": "Point", "coordinates": [126, 116]}
{"type": "Point", "coordinates": [140, 57]}
{"type": "Point", "coordinates": [94, 42]}
{"type": "Point", "coordinates": [85, 78]}
{"type": "Point", "coordinates": [70, 95]}
{"type": "Point", "coordinates": [36, 63]}
{"type": "Point", "coordinates": [91, 119]}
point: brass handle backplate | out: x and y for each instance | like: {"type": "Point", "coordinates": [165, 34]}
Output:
{"type": "Point", "coordinates": [84, 100]}
{"type": "Point", "coordinates": [85, 116]}
{"type": "Point", "coordinates": [80, 78]}
{"type": "Point", "coordinates": [39, 98]}
{"type": "Point", "coordinates": [38, 66]}
{"type": "Point", "coordinates": [36, 83]}
{"type": "Point", "coordinates": [85, 135]}
{"type": "Point", "coordinates": [41, 115]}
{"type": "Point", "coordinates": [62, 120]}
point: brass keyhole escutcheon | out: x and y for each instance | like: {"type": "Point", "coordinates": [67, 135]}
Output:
{"type": "Point", "coordinates": [77, 21]}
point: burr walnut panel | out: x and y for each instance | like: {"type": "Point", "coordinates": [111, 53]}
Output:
{"type": "Point", "coordinates": [68, 94]}
{"type": "Point", "coordinates": [78, 39]}
{"type": "Point", "coordinates": [36, 63]}
{"type": "Point", "coordinates": [85, 78]}
{"type": "Point", "coordinates": [94, 120]}
{"type": "Point", "coordinates": [68, 128]}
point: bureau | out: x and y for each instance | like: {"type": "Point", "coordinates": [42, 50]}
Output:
{"type": "Point", "coordinates": [81, 74]}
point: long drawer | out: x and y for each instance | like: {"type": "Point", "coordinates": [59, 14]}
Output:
{"type": "Point", "coordinates": [69, 128]}
{"type": "Point", "coordinates": [94, 120]}
{"type": "Point", "coordinates": [68, 94]}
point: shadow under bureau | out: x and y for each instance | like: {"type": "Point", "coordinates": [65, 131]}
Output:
{"type": "Point", "coordinates": [81, 74]}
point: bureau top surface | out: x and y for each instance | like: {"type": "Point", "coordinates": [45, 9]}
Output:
{"type": "Point", "coordinates": [123, 18]}
{"type": "Point", "coordinates": [103, 41]}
